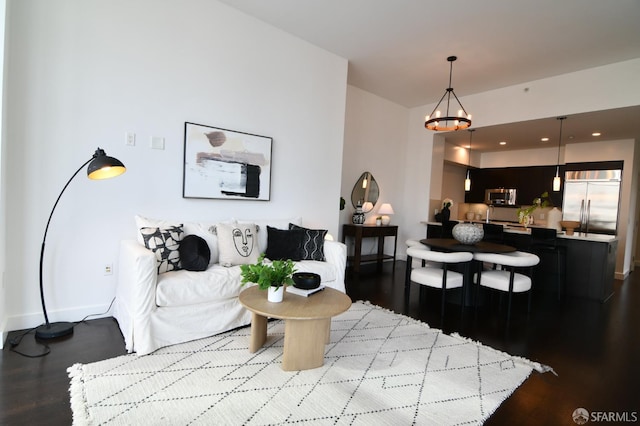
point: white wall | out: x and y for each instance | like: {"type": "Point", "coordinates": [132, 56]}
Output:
{"type": "Point", "coordinates": [375, 135]}
{"type": "Point", "coordinates": [83, 73]}
{"type": "Point", "coordinates": [3, 181]}
{"type": "Point", "coordinates": [523, 157]}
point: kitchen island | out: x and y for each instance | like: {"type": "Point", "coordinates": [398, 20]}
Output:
{"type": "Point", "coordinates": [590, 260]}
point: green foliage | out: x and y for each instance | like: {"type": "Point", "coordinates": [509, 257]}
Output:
{"type": "Point", "coordinates": [274, 274]}
{"type": "Point", "coordinates": [543, 201]}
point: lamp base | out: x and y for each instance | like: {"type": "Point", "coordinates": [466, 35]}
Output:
{"type": "Point", "coordinates": [54, 330]}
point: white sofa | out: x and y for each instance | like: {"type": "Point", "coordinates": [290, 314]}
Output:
{"type": "Point", "coordinates": [156, 310]}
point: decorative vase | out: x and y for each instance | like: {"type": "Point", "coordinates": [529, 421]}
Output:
{"type": "Point", "coordinates": [553, 219]}
{"type": "Point", "coordinates": [275, 294]}
{"type": "Point", "coordinates": [378, 222]}
{"type": "Point", "coordinates": [358, 215]}
{"type": "Point", "coordinates": [446, 214]}
{"type": "Point", "coordinates": [467, 233]}
{"type": "Point", "coordinates": [357, 218]}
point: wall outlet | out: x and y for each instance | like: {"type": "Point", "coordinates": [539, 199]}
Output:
{"type": "Point", "coordinates": [108, 269]}
{"type": "Point", "coordinates": [130, 139]}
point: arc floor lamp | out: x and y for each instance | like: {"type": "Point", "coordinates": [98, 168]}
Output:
{"type": "Point", "coordinates": [101, 166]}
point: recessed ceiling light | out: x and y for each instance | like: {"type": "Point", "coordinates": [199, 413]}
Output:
{"type": "Point", "coordinates": [545, 139]}
{"type": "Point", "coordinates": [503, 143]}
{"type": "Point", "coordinates": [596, 134]}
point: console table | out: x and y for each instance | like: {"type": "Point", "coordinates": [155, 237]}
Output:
{"type": "Point", "coordinates": [358, 232]}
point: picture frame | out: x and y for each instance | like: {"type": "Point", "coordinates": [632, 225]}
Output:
{"type": "Point", "coordinates": [225, 164]}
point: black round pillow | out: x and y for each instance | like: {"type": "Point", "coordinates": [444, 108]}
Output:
{"type": "Point", "coordinates": [194, 253]}
{"type": "Point", "coordinates": [306, 280]}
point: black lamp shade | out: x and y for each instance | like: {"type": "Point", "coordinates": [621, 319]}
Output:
{"type": "Point", "coordinates": [104, 167]}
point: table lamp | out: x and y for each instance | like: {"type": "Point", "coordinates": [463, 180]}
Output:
{"type": "Point", "coordinates": [101, 166]}
{"type": "Point", "coordinates": [384, 211]}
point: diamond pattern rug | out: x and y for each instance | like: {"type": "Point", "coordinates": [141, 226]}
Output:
{"type": "Point", "coordinates": [380, 368]}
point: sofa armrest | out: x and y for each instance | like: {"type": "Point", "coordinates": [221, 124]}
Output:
{"type": "Point", "coordinates": [136, 291]}
{"type": "Point", "coordinates": [336, 253]}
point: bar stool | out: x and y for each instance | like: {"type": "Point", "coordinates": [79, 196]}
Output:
{"type": "Point", "coordinates": [544, 242]}
{"type": "Point", "coordinates": [506, 279]}
{"type": "Point", "coordinates": [493, 233]}
{"type": "Point", "coordinates": [441, 278]}
{"type": "Point", "coordinates": [413, 243]}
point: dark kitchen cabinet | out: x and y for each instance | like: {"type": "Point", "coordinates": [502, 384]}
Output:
{"type": "Point", "coordinates": [590, 266]}
{"type": "Point", "coordinates": [530, 182]}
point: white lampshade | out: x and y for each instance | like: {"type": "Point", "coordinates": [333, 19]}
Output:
{"type": "Point", "coordinates": [385, 210]}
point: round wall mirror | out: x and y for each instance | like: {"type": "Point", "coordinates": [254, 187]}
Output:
{"type": "Point", "coordinates": [365, 192]}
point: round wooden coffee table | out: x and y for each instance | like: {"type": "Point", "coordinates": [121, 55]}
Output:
{"type": "Point", "coordinates": [307, 323]}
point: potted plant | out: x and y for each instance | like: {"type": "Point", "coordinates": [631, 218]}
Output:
{"type": "Point", "coordinates": [271, 276]}
{"type": "Point", "coordinates": [378, 220]}
{"type": "Point", "coordinates": [525, 214]}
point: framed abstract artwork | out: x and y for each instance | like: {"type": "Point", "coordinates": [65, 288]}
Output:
{"type": "Point", "coordinates": [225, 164]}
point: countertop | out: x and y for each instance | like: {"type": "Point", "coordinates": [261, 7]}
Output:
{"type": "Point", "coordinates": [516, 228]}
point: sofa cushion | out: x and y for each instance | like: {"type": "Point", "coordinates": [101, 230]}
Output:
{"type": "Point", "coordinates": [283, 244]}
{"type": "Point", "coordinates": [194, 253]}
{"type": "Point", "coordinates": [180, 288]}
{"type": "Point", "coordinates": [200, 229]}
{"type": "Point", "coordinates": [183, 288]}
{"type": "Point", "coordinates": [312, 247]}
{"type": "Point", "coordinates": [274, 223]}
{"type": "Point", "coordinates": [237, 243]}
{"type": "Point", "coordinates": [326, 270]}
{"type": "Point", "coordinates": [164, 242]}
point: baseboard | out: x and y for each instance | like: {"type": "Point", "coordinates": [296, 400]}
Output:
{"type": "Point", "coordinates": [621, 275]}
{"type": "Point", "coordinates": [27, 321]}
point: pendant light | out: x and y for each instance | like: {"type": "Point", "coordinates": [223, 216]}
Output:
{"type": "Point", "coordinates": [467, 181]}
{"type": "Point", "coordinates": [435, 120]}
{"type": "Point", "coordinates": [557, 180]}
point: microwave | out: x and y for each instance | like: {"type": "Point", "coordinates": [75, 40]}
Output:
{"type": "Point", "coordinates": [500, 197]}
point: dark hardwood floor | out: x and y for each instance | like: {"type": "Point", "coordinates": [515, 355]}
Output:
{"type": "Point", "coordinates": [594, 348]}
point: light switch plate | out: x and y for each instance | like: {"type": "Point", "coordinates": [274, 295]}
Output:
{"type": "Point", "coordinates": [157, 142]}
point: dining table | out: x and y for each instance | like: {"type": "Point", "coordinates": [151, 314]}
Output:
{"type": "Point", "coordinates": [453, 245]}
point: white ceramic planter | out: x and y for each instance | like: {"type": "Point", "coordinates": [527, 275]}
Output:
{"type": "Point", "coordinates": [275, 294]}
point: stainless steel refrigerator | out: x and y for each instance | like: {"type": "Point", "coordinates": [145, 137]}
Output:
{"type": "Point", "coordinates": [592, 197]}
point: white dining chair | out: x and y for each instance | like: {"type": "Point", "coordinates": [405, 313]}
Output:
{"type": "Point", "coordinates": [437, 277]}
{"type": "Point", "coordinates": [505, 278]}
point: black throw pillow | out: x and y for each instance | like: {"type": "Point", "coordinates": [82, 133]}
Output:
{"type": "Point", "coordinates": [194, 253]}
{"type": "Point", "coordinates": [283, 244]}
{"type": "Point", "coordinates": [312, 247]}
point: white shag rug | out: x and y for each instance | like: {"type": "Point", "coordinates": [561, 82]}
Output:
{"type": "Point", "coordinates": [380, 368]}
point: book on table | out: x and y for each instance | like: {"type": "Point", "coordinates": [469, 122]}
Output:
{"type": "Point", "coordinates": [304, 293]}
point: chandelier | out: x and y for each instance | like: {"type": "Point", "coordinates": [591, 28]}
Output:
{"type": "Point", "coordinates": [435, 120]}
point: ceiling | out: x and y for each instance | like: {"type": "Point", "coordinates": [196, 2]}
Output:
{"type": "Point", "coordinates": [397, 49]}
